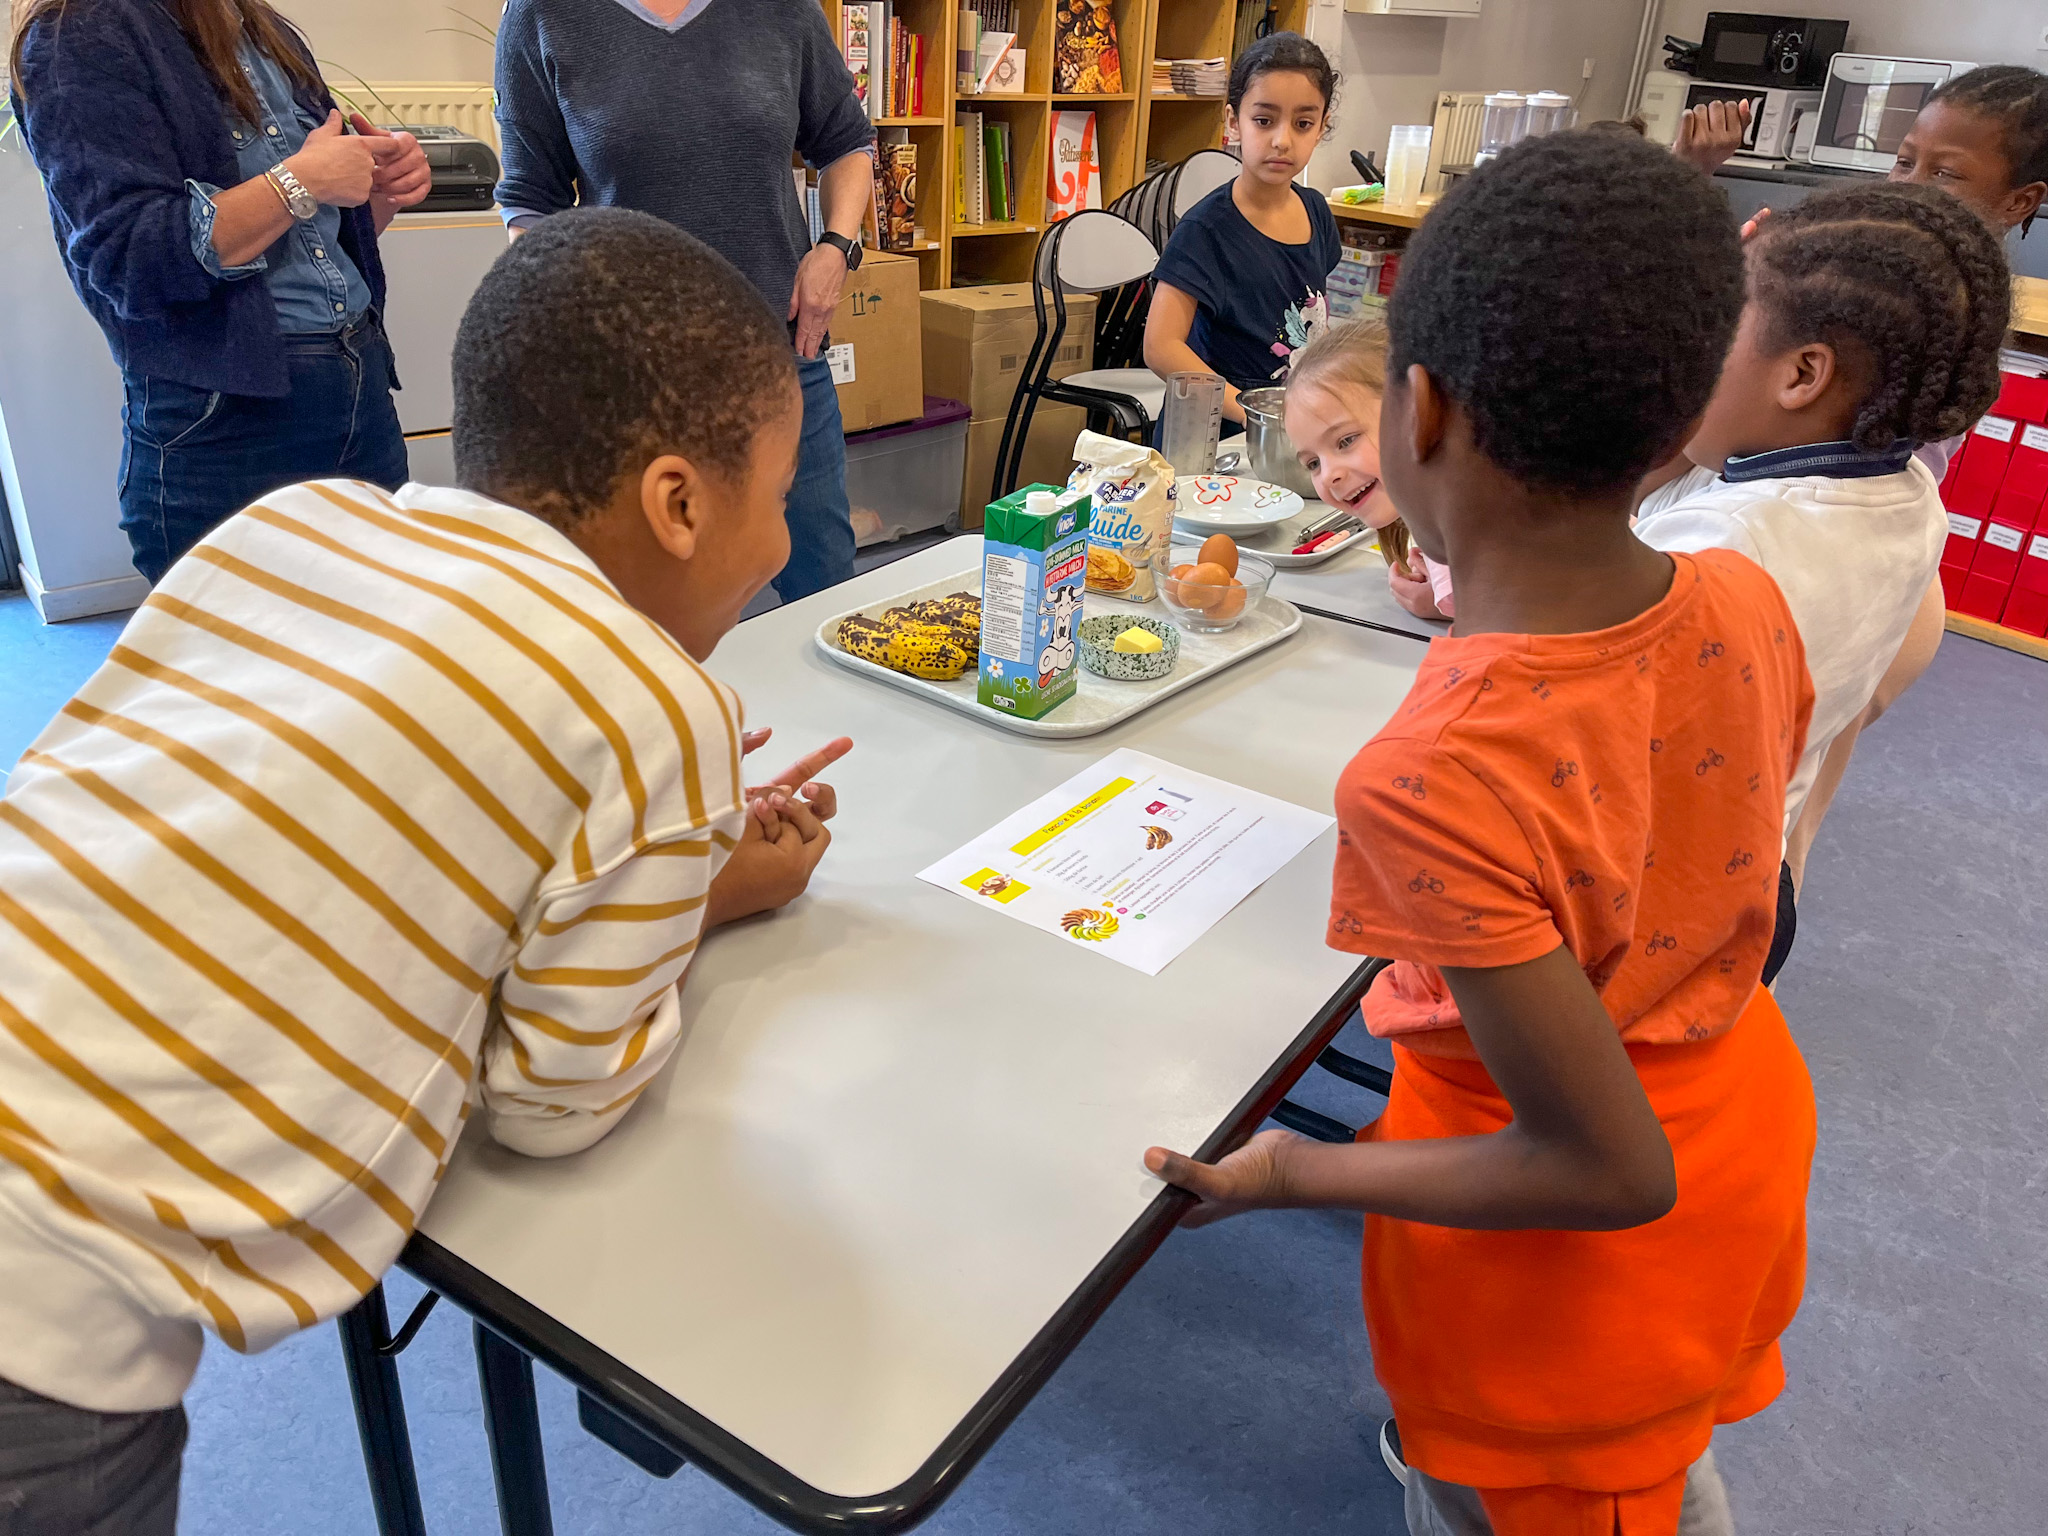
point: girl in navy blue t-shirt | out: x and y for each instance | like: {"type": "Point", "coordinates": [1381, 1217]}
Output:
{"type": "Point", "coordinates": [1242, 279]}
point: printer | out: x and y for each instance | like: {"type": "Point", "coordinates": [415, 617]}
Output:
{"type": "Point", "coordinates": [465, 169]}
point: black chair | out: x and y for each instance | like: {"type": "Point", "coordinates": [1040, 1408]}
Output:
{"type": "Point", "coordinates": [1313, 1123]}
{"type": "Point", "coordinates": [1098, 252]}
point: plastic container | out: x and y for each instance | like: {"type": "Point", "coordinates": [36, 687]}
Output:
{"type": "Point", "coordinates": [1548, 111]}
{"type": "Point", "coordinates": [1192, 422]}
{"type": "Point", "coordinates": [1203, 609]}
{"type": "Point", "coordinates": [905, 479]}
{"type": "Point", "coordinates": [1505, 120]}
{"type": "Point", "coordinates": [1407, 159]}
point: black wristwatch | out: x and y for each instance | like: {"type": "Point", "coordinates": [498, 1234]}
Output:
{"type": "Point", "coordinates": [850, 249]}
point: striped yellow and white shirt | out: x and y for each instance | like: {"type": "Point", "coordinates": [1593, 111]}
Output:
{"type": "Point", "coordinates": [381, 806]}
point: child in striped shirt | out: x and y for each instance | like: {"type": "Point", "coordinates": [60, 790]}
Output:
{"type": "Point", "coordinates": [383, 808]}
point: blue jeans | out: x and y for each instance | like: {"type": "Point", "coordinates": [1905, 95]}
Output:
{"type": "Point", "coordinates": [193, 458]}
{"type": "Point", "coordinates": [820, 522]}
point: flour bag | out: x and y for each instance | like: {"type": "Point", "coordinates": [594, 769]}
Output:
{"type": "Point", "coordinates": [1130, 496]}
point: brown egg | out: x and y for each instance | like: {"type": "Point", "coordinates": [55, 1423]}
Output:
{"type": "Point", "coordinates": [1180, 572]}
{"type": "Point", "coordinates": [1220, 549]}
{"type": "Point", "coordinates": [1204, 586]}
{"type": "Point", "coordinates": [1230, 604]}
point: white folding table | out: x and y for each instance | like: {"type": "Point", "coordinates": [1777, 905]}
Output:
{"type": "Point", "coordinates": [894, 1173]}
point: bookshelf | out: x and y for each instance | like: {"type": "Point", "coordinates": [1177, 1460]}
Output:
{"type": "Point", "coordinates": [1133, 126]}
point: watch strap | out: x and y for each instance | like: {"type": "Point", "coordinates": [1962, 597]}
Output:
{"type": "Point", "coordinates": [298, 202]}
{"type": "Point", "coordinates": [850, 249]}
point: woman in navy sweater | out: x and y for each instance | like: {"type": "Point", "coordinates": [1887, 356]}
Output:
{"type": "Point", "coordinates": [690, 110]}
{"type": "Point", "coordinates": [221, 224]}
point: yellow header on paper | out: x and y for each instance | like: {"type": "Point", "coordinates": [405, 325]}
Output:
{"type": "Point", "coordinates": [1068, 819]}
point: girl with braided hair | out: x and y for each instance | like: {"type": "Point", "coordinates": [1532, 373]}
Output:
{"type": "Point", "coordinates": [1873, 326]}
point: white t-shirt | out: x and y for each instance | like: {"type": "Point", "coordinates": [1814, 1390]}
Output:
{"type": "Point", "coordinates": [1853, 557]}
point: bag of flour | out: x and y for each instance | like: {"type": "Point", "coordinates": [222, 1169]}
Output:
{"type": "Point", "coordinates": [1130, 494]}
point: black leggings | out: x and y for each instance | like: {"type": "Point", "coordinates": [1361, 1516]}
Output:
{"type": "Point", "coordinates": [1787, 929]}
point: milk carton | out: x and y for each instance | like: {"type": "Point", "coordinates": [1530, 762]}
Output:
{"type": "Point", "coordinates": [1033, 564]}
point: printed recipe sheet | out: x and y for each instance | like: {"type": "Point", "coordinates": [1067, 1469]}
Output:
{"type": "Point", "coordinates": [1133, 857]}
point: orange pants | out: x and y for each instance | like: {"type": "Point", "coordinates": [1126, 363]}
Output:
{"type": "Point", "coordinates": [1572, 1377]}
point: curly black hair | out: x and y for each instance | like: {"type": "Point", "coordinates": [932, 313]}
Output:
{"type": "Point", "coordinates": [1906, 283]}
{"type": "Point", "coordinates": [600, 340]}
{"type": "Point", "coordinates": [1576, 297]}
{"type": "Point", "coordinates": [2017, 99]}
{"type": "Point", "coordinates": [1277, 51]}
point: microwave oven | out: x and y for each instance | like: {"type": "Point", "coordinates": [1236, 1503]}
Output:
{"type": "Point", "coordinates": [1789, 52]}
{"type": "Point", "coordinates": [1776, 116]}
{"type": "Point", "coordinates": [1867, 104]}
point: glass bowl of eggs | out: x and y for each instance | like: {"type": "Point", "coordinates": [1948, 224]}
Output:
{"type": "Point", "coordinates": [1209, 587]}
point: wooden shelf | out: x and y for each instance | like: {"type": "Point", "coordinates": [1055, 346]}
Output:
{"type": "Point", "coordinates": [1089, 98]}
{"type": "Point", "coordinates": [997, 98]}
{"type": "Point", "coordinates": [1998, 635]}
{"type": "Point", "coordinates": [1399, 215]}
{"type": "Point", "coordinates": [910, 122]}
{"type": "Point", "coordinates": [981, 231]}
{"type": "Point", "coordinates": [1209, 101]}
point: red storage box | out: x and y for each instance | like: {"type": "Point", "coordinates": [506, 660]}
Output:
{"type": "Point", "coordinates": [2026, 480]}
{"type": "Point", "coordinates": [1963, 535]}
{"type": "Point", "coordinates": [1952, 579]}
{"type": "Point", "coordinates": [2027, 608]}
{"type": "Point", "coordinates": [1984, 596]}
{"type": "Point", "coordinates": [1998, 552]}
{"type": "Point", "coordinates": [1974, 486]}
{"type": "Point", "coordinates": [2022, 397]}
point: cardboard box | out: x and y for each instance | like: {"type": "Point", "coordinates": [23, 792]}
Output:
{"type": "Point", "coordinates": [1953, 579]}
{"type": "Point", "coordinates": [876, 361]}
{"type": "Point", "coordinates": [2026, 480]}
{"type": "Point", "coordinates": [1048, 456]}
{"type": "Point", "coordinates": [976, 341]}
{"type": "Point", "coordinates": [2027, 609]}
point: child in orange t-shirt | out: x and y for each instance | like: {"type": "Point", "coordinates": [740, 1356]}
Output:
{"type": "Point", "coordinates": [1585, 1202]}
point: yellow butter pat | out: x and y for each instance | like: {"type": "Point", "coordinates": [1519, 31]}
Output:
{"type": "Point", "coordinates": [1137, 642]}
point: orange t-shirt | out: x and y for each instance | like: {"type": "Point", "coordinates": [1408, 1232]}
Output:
{"type": "Point", "coordinates": [1619, 792]}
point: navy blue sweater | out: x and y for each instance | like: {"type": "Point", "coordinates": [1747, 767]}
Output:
{"type": "Point", "coordinates": [118, 114]}
{"type": "Point", "coordinates": [695, 126]}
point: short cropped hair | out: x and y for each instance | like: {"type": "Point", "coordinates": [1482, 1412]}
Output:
{"type": "Point", "coordinates": [1903, 280]}
{"type": "Point", "coordinates": [600, 340]}
{"type": "Point", "coordinates": [2014, 97]}
{"type": "Point", "coordinates": [1576, 297]}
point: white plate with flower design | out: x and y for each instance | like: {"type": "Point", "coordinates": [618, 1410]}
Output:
{"type": "Point", "coordinates": [1231, 504]}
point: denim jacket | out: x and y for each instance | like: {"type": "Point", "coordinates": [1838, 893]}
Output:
{"type": "Point", "coordinates": [315, 285]}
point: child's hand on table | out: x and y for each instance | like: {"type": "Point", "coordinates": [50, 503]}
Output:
{"type": "Point", "coordinates": [1249, 1179]}
{"type": "Point", "coordinates": [782, 840]}
{"type": "Point", "coordinates": [1410, 586]}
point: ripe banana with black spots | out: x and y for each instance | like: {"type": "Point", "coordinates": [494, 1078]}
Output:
{"type": "Point", "coordinates": [937, 638]}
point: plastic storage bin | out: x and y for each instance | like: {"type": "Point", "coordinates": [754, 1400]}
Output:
{"type": "Point", "coordinates": [905, 479]}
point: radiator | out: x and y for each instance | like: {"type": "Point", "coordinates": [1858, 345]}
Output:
{"type": "Point", "coordinates": [1455, 139]}
{"type": "Point", "coordinates": [460, 104]}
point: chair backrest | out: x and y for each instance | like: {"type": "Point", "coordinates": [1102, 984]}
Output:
{"type": "Point", "coordinates": [1199, 175]}
{"type": "Point", "coordinates": [1093, 251]}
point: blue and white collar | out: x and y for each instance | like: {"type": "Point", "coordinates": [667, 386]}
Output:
{"type": "Point", "coordinates": [1837, 461]}
{"type": "Point", "coordinates": [688, 15]}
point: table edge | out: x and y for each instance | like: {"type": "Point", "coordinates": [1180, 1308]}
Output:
{"type": "Point", "coordinates": [766, 1484]}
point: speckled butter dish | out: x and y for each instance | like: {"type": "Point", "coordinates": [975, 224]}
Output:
{"type": "Point", "coordinates": [1098, 634]}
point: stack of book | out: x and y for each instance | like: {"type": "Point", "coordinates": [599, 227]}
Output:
{"type": "Point", "coordinates": [887, 59]}
{"type": "Point", "coordinates": [984, 171]}
{"type": "Point", "coordinates": [895, 190]}
{"type": "Point", "coordinates": [1191, 77]}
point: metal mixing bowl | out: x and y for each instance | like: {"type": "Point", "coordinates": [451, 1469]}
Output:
{"type": "Point", "coordinates": [1265, 438]}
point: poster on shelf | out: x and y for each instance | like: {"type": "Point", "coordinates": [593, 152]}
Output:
{"type": "Point", "coordinates": [1074, 168]}
{"type": "Point", "coordinates": [1085, 58]}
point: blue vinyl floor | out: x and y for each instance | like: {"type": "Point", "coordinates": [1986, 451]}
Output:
{"type": "Point", "coordinates": [1229, 1389]}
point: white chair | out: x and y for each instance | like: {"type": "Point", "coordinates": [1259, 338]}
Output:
{"type": "Point", "coordinates": [1195, 178]}
{"type": "Point", "coordinates": [1090, 252]}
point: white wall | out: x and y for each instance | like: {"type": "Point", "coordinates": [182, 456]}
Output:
{"type": "Point", "coordinates": [1980, 31]}
{"type": "Point", "coordinates": [396, 39]}
{"type": "Point", "coordinates": [1394, 66]}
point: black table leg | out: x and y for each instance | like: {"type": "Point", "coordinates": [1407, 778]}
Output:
{"type": "Point", "coordinates": [512, 1419]}
{"type": "Point", "coordinates": [380, 1416]}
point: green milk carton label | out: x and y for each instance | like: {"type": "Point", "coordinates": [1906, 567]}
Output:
{"type": "Point", "coordinates": [1033, 567]}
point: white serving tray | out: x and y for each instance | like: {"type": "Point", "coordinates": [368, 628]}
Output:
{"type": "Point", "coordinates": [1100, 703]}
